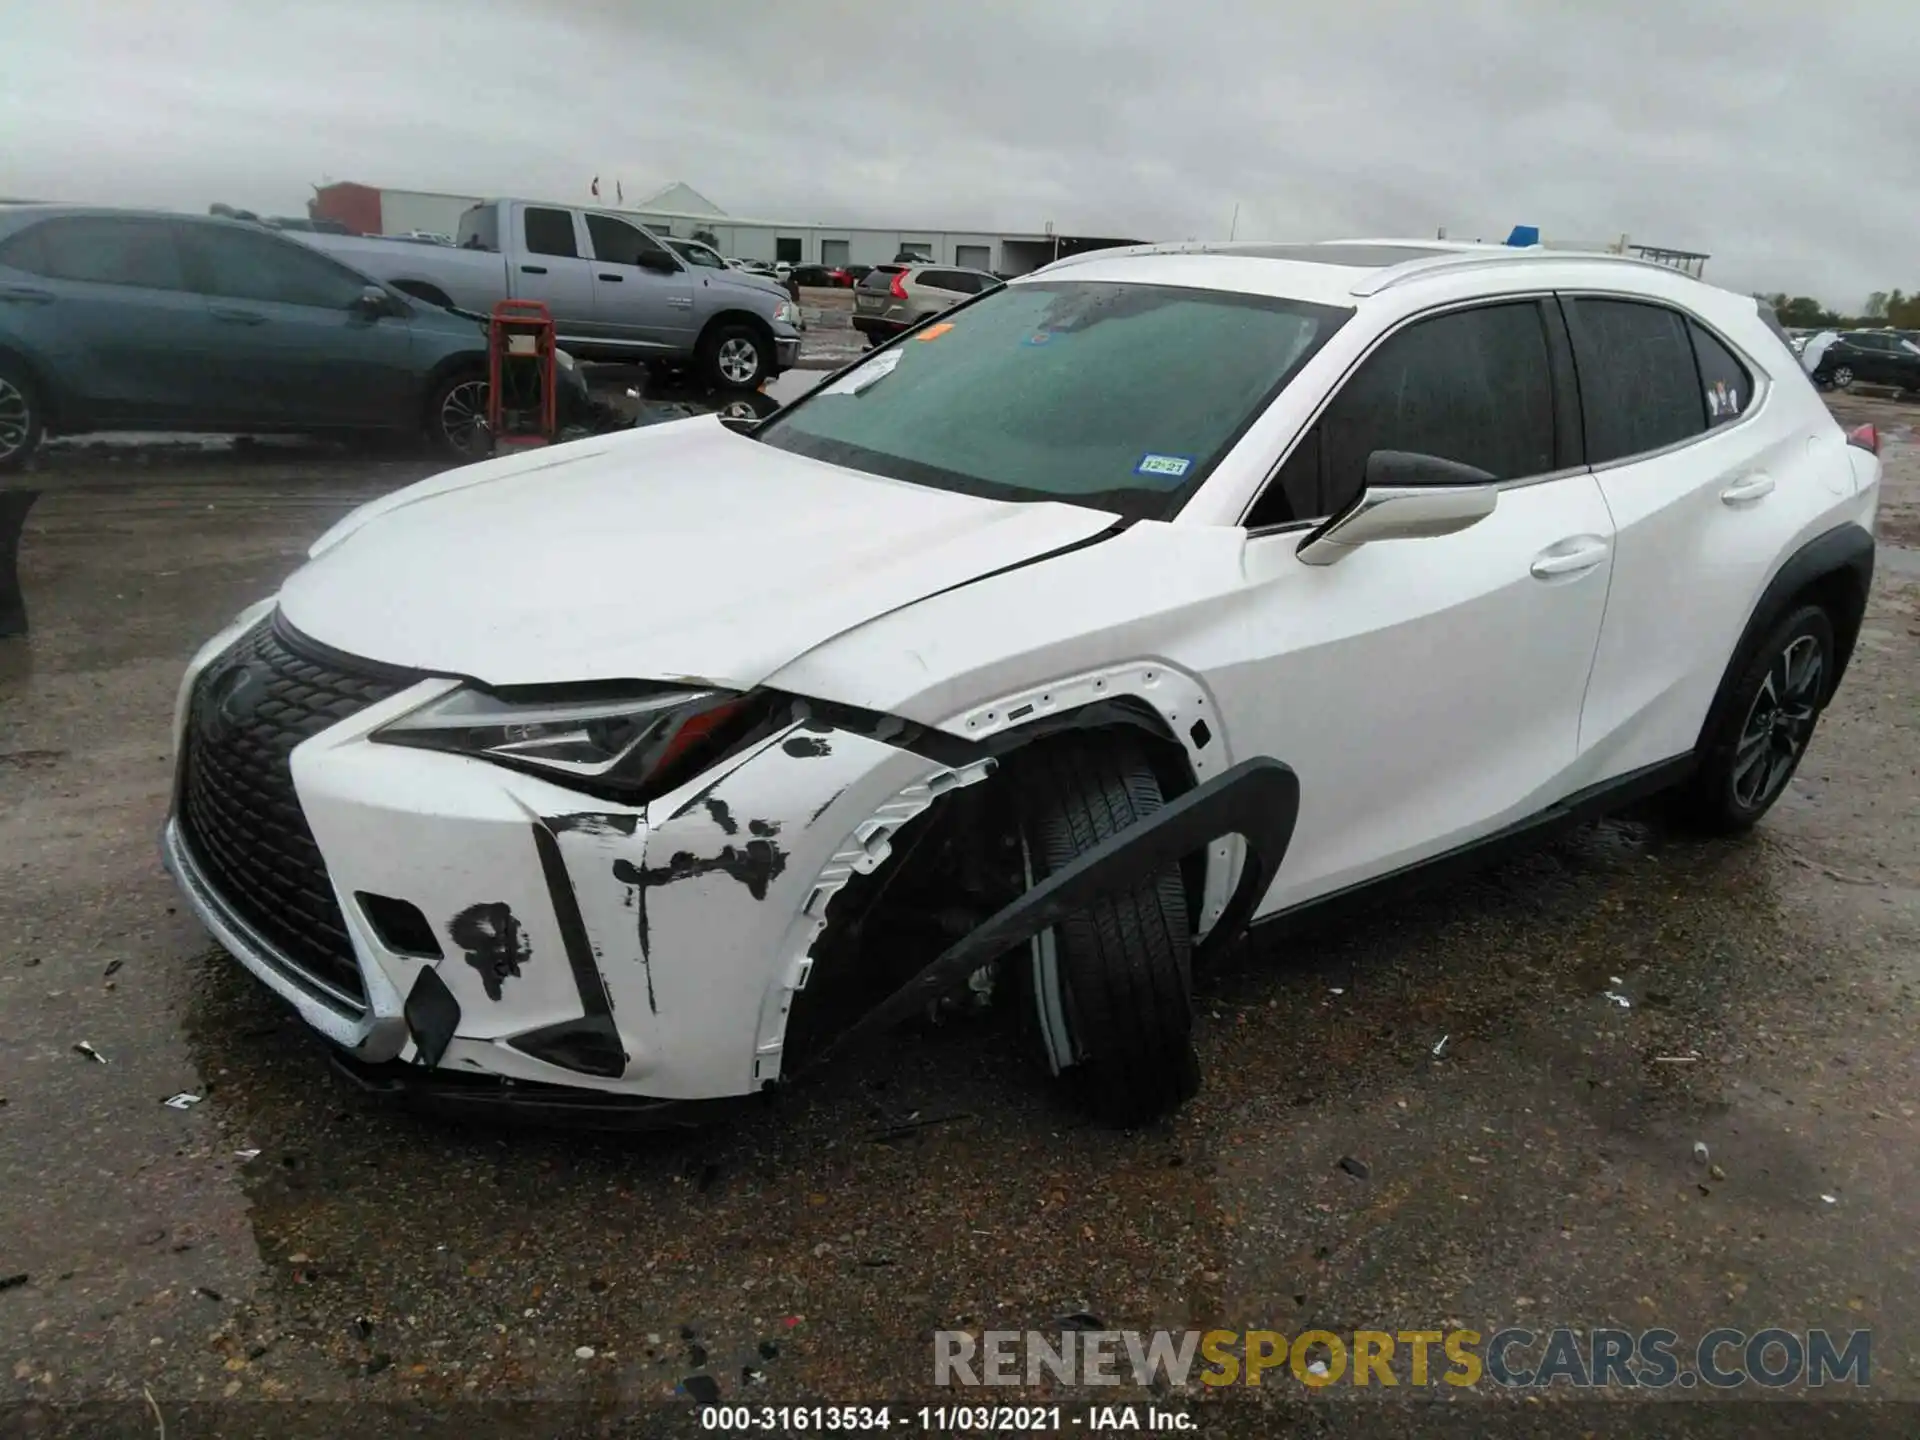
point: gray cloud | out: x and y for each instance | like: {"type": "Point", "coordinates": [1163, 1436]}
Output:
{"type": "Point", "coordinates": [1708, 126]}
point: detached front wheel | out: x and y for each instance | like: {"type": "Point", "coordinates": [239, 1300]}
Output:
{"type": "Point", "coordinates": [1110, 988]}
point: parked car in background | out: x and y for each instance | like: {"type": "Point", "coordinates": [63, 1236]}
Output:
{"type": "Point", "coordinates": [1365, 556]}
{"type": "Point", "coordinates": [856, 273]}
{"type": "Point", "coordinates": [616, 292]}
{"type": "Point", "coordinates": [892, 298]}
{"type": "Point", "coordinates": [821, 276]}
{"type": "Point", "coordinates": [1877, 357]}
{"type": "Point", "coordinates": [134, 320]}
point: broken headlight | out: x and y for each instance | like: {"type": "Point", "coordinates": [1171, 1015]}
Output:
{"type": "Point", "coordinates": [624, 744]}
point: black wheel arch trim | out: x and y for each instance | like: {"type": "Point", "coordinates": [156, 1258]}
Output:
{"type": "Point", "coordinates": [55, 406]}
{"type": "Point", "coordinates": [1257, 799]}
{"type": "Point", "coordinates": [1845, 550]}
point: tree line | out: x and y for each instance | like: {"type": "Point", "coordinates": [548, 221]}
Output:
{"type": "Point", "coordinates": [1884, 307]}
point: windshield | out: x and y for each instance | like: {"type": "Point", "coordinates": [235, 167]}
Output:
{"type": "Point", "coordinates": [1120, 397]}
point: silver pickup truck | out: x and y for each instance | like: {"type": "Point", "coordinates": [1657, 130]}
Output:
{"type": "Point", "coordinates": [615, 292]}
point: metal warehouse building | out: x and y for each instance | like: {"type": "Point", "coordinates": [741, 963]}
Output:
{"type": "Point", "coordinates": [682, 211]}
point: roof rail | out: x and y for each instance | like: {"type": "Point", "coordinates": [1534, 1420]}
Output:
{"type": "Point", "coordinates": [1378, 280]}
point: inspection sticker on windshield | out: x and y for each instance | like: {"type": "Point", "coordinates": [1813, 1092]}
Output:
{"type": "Point", "coordinates": [1171, 466]}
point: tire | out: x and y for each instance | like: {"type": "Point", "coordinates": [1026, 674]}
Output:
{"type": "Point", "coordinates": [22, 421]}
{"type": "Point", "coordinates": [1760, 728]}
{"type": "Point", "coordinates": [1842, 377]}
{"type": "Point", "coordinates": [1120, 981]}
{"type": "Point", "coordinates": [463, 393]}
{"type": "Point", "coordinates": [734, 357]}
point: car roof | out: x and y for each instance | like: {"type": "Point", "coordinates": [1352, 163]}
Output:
{"type": "Point", "coordinates": [1342, 272]}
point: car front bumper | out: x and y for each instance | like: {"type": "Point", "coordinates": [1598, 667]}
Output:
{"type": "Point", "coordinates": [786, 352]}
{"type": "Point", "coordinates": [651, 952]}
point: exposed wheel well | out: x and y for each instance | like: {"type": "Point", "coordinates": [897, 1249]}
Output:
{"type": "Point", "coordinates": [473, 362]}
{"type": "Point", "coordinates": [953, 866]}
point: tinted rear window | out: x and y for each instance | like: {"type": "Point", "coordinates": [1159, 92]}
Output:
{"type": "Point", "coordinates": [550, 232]}
{"type": "Point", "coordinates": [1639, 386]}
{"type": "Point", "coordinates": [1119, 397]}
{"type": "Point", "coordinates": [880, 277]}
{"type": "Point", "coordinates": [1725, 384]}
{"type": "Point", "coordinates": [104, 250]}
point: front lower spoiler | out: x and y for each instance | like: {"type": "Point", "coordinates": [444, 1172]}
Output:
{"type": "Point", "coordinates": [1258, 800]}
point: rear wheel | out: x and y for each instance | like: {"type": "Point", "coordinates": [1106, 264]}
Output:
{"type": "Point", "coordinates": [734, 357]}
{"type": "Point", "coordinates": [1110, 987]}
{"type": "Point", "coordinates": [1757, 734]}
{"type": "Point", "coordinates": [21, 422]}
{"type": "Point", "coordinates": [1842, 377]}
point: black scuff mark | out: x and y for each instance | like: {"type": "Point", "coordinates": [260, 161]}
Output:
{"type": "Point", "coordinates": [826, 806]}
{"type": "Point", "coordinates": [756, 865]}
{"type": "Point", "coordinates": [723, 816]}
{"type": "Point", "coordinates": [594, 824]}
{"type": "Point", "coordinates": [493, 941]}
{"type": "Point", "coordinates": [765, 829]}
{"type": "Point", "coordinates": [805, 747]}
{"type": "Point", "coordinates": [631, 875]}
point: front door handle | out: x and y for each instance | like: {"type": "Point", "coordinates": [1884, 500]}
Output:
{"type": "Point", "coordinates": [533, 269]}
{"type": "Point", "coordinates": [237, 317]}
{"type": "Point", "coordinates": [1748, 489]}
{"type": "Point", "coordinates": [1569, 557]}
{"type": "Point", "coordinates": [617, 279]}
{"type": "Point", "coordinates": [25, 295]}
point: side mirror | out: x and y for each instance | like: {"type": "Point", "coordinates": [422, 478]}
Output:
{"type": "Point", "coordinates": [1408, 497]}
{"type": "Point", "coordinates": [658, 261]}
{"type": "Point", "coordinates": [375, 302]}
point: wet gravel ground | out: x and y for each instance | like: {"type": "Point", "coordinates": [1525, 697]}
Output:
{"type": "Point", "coordinates": [287, 1239]}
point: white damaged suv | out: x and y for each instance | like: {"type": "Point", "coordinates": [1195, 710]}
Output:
{"type": "Point", "coordinates": [1161, 592]}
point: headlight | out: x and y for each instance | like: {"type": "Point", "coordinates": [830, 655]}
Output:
{"type": "Point", "coordinates": [787, 313]}
{"type": "Point", "coordinates": [622, 744]}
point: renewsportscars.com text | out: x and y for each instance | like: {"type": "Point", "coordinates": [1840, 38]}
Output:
{"type": "Point", "coordinates": [1652, 1359]}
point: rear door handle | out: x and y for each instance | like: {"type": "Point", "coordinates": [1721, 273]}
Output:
{"type": "Point", "coordinates": [25, 295]}
{"type": "Point", "coordinates": [237, 317]}
{"type": "Point", "coordinates": [1748, 489]}
{"type": "Point", "coordinates": [617, 279]}
{"type": "Point", "coordinates": [533, 269]}
{"type": "Point", "coordinates": [1574, 556]}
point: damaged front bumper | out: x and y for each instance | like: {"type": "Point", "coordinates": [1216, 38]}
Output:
{"type": "Point", "coordinates": [651, 952]}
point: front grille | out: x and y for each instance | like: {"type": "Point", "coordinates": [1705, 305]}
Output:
{"type": "Point", "coordinates": [237, 809]}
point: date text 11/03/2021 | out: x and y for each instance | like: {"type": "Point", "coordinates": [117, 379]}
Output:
{"type": "Point", "coordinates": [945, 1419]}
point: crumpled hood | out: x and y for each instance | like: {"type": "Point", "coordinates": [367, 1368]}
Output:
{"type": "Point", "coordinates": [679, 551]}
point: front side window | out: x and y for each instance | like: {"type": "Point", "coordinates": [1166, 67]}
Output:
{"type": "Point", "coordinates": [1639, 386]}
{"type": "Point", "coordinates": [102, 250]}
{"type": "Point", "coordinates": [699, 255]}
{"type": "Point", "coordinates": [1119, 397]}
{"type": "Point", "coordinates": [1472, 386]}
{"type": "Point", "coordinates": [550, 232]}
{"type": "Point", "coordinates": [236, 263]}
{"type": "Point", "coordinates": [619, 243]}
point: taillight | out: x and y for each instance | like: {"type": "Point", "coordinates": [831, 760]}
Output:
{"type": "Point", "coordinates": [1866, 437]}
{"type": "Point", "coordinates": [899, 287]}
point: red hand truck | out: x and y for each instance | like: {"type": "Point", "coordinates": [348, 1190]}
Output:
{"type": "Point", "coordinates": [522, 408]}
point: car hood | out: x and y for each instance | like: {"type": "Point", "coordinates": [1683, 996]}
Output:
{"type": "Point", "coordinates": [682, 551]}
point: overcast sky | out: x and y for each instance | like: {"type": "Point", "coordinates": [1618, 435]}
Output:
{"type": "Point", "coordinates": [1779, 135]}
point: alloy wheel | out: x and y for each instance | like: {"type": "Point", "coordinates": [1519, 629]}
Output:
{"type": "Point", "coordinates": [1843, 377]}
{"type": "Point", "coordinates": [16, 418]}
{"type": "Point", "coordinates": [739, 360]}
{"type": "Point", "coordinates": [463, 417]}
{"type": "Point", "coordinates": [1779, 723]}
